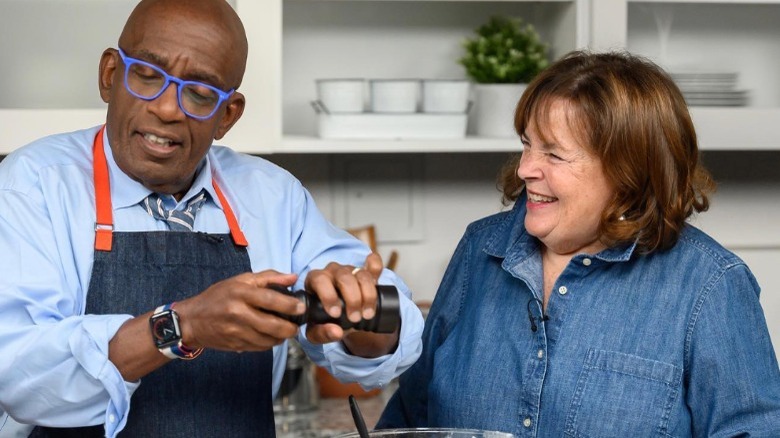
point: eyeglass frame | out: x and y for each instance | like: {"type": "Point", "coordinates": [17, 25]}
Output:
{"type": "Point", "coordinates": [180, 83]}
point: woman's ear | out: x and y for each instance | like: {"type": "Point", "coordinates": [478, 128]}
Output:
{"type": "Point", "coordinates": [108, 66]}
{"type": "Point", "coordinates": [233, 110]}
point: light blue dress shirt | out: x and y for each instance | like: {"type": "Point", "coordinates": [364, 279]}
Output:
{"type": "Point", "coordinates": [668, 344]}
{"type": "Point", "coordinates": [54, 368]}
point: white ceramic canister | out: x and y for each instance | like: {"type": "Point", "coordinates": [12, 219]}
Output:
{"type": "Point", "coordinates": [445, 95]}
{"type": "Point", "coordinates": [494, 109]}
{"type": "Point", "coordinates": [342, 95]}
{"type": "Point", "coordinates": [394, 95]}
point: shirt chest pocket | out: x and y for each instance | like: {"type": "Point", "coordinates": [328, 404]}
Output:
{"type": "Point", "coordinates": [622, 395]}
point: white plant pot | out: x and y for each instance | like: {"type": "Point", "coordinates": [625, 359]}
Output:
{"type": "Point", "coordinates": [494, 109]}
{"type": "Point", "coordinates": [394, 95]}
{"type": "Point", "coordinates": [342, 95]}
{"type": "Point", "coordinates": [445, 96]}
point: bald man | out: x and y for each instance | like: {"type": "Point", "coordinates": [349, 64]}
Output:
{"type": "Point", "coordinates": [137, 260]}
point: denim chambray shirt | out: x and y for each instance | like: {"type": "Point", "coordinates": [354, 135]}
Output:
{"type": "Point", "coordinates": [670, 344]}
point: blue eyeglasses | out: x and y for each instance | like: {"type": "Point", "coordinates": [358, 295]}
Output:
{"type": "Point", "coordinates": [147, 81]}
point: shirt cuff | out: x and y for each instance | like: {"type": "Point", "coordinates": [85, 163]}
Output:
{"type": "Point", "coordinates": [91, 351]}
{"type": "Point", "coordinates": [372, 372]}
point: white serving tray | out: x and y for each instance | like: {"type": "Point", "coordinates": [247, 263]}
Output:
{"type": "Point", "coordinates": [392, 126]}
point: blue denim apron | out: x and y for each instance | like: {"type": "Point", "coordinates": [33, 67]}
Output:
{"type": "Point", "coordinates": [219, 394]}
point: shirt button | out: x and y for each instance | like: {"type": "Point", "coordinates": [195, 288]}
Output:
{"type": "Point", "coordinates": [111, 418]}
{"type": "Point", "coordinates": [562, 290]}
{"type": "Point", "coordinates": [586, 261]}
{"type": "Point", "coordinates": [540, 353]}
{"type": "Point", "coordinates": [527, 422]}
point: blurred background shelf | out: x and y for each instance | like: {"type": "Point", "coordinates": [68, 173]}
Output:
{"type": "Point", "coordinates": [315, 145]}
{"type": "Point", "coordinates": [759, 131]}
{"type": "Point", "coordinates": [51, 85]}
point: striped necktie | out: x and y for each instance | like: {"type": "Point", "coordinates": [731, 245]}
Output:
{"type": "Point", "coordinates": [177, 220]}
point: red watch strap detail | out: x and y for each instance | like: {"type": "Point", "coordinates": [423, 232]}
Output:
{"type": "Point", "coordinates": [182, 351]}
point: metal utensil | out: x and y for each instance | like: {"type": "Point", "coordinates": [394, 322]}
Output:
{"type": "Point", "coordinates": [358, 417]}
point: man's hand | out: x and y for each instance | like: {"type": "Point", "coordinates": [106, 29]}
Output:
{"type": "Point", "coordinates": [233, 314]}
{"type": "Point", "coordinates": [357, 287]}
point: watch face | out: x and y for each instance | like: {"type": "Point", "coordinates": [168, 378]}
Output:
{"type": "Point", "coordinates": [164, 329]}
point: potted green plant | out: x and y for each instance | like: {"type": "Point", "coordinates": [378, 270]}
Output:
{"type": "Point", "coordinates": [502, 57]}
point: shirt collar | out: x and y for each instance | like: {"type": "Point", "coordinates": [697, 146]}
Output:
{"type": "Point", "coordinates": [511, 237]}
{"type": "Point", "coordinates": [126, 192]}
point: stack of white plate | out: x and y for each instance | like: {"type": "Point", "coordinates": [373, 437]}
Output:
{"type": "Point", "coordinates": [710, 88]}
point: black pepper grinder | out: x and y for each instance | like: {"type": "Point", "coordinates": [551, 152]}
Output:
{"type": "Point", "coordinates": [386, 320]}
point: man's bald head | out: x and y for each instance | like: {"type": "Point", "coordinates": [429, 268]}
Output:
{"type": "Point", "coordinates": [192, 40]}
{"type": "Point", "coordinates": [206, 20]}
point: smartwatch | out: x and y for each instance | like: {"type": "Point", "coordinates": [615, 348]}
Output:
{"type": "Point", "coordinates": [166, 334]}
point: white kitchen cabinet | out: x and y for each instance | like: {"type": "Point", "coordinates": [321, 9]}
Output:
{"type": "Point", "coordinates": [737, 36]}
{"type": "Point", "coordinates": [396, 39]}
{"type": "Point", "coordinates": [400, 39]}
{"type": "Point", "coordinates": [55, 46]}
{"type": "Point", "coordinates": [51, 50]}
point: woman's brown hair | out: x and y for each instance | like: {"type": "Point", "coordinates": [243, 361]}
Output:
{"type": "Point", "coordinates": [633, 117]}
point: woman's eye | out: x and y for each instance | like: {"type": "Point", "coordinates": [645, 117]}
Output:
{"type": "Point", "coordinates": [554, 157]}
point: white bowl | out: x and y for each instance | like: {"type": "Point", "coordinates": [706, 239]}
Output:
{"type": "Point", "coordinates": [342, 95]}
{"type": "Point", "coordinates": [394, 95]}
{"type": "Point", "coordinates": [445, 95]}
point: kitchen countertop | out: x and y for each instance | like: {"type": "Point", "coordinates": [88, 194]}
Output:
{"type": "Point", "coordinates": [331, 418]}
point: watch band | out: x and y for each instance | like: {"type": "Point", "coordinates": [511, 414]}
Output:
{"type": "Point", "coordinates": [176, 349]}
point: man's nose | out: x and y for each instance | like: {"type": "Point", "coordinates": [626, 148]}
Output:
{"type": "Point", "coordinates": [166, 105]}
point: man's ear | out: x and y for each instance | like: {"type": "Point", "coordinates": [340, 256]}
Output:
{"type": "Point", "coordinates": [108, 66]}
{"type": "Point", "coordinates": [233, 111]}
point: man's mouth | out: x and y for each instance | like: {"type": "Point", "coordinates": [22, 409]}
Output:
{"type": "Point", "coordinates": [161, 141]}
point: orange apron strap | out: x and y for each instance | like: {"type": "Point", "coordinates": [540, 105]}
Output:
{"type": "Point", "coordinates": [104, 224]}
{"type": "Point", "coordinates": [235, 230]}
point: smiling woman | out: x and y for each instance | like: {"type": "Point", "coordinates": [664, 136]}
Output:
{"type": "Point", "coordinates": [658, 179]}
{"type": "Point", "coordinates": [556, 167]}
{"type": "Point", "coordinates": [592, 304]}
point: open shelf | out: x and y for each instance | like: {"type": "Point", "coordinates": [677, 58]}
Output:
{"type": "Point", "coordinates": [314, 145]}
{"type": "Point", "coordinates": [51, 85]}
